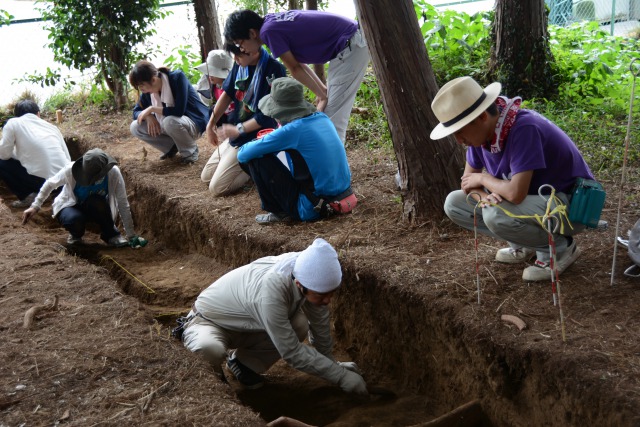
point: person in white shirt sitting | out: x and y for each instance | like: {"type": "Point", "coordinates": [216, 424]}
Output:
{"type": "Point", "coordinates": [31, 151]}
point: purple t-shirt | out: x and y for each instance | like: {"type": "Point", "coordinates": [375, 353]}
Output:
{"type": "Point", "coordinates": [534, 143]}
{"type": "Point", "coordinates": [312, 37]}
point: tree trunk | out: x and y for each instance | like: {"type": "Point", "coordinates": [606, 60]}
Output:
{"type": "Point", "coordinates": [111, 72]}
{"type": "Point", "coordinates": [429, 170]}
{"type": "Point", "coordinates": [207, 19]}
{"type": "Point", "coordinates": [317, 68]}
{"type": "Point", "coordinates": [295, 4]}
{"type": "Point", "coordinates": [520, 54]}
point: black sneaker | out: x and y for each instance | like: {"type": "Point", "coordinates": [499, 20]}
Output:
{"type": "Point", "coordinates": [171, 153]}
{"type": "Point", "coordinates": [244, 375]}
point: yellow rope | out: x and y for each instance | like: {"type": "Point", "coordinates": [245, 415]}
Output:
{"type": "Point", "coordinates": [559, 212]}
{"type": "Point", "coordinates": [149, 290]}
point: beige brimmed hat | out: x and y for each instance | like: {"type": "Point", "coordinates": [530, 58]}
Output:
{"type": "Point", "coordinates": [92, 166]}
{"type": "Point", "coordinates": [218, 64]}
{"type": "Point", "coordinates": [459, 102]}
{"type": "Point", "coordinates": [286, 101]}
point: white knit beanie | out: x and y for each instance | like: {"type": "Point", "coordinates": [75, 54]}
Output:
{"type": "Point", "coordinates": [317, 267]}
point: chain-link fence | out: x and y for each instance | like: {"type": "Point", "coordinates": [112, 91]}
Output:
{"type": "Point", "coordinates": [621, 16]}
{"type": "Point", "coordinates": [607, 12]}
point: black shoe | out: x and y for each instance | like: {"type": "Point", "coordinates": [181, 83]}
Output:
{"type": "Point", "coordinates": [244, 375]}
{"type": "Point", "coordinates": [170, 154]}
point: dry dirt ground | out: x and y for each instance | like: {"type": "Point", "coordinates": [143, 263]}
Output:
{"type": "Point", "coordinates": [408, 312]}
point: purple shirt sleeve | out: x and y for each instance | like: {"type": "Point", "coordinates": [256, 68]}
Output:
{"type": "Point", "coordinates": [312, 37]}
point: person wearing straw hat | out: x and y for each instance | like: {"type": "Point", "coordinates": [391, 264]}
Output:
{"type": "Point", "coordinates": [301, 37]}
{"type": "Point", "coordinates": [310, 141]}
{"type": "Point", "coordinates": [214, 71]}
{"type": "Point", "coordinates": [264, 311]}
{"type": "Point", "coordinates": [93, 191]}
{"type": "Point", "coordinates": [31, 150]}
{"type": "Point", "coordinates": [248, 82]}
{"type": "Point", "coordinates": [511, 152]}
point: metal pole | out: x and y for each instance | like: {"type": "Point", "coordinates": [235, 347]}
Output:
{"type": "Point", "coordinates": [634, 73]}
{"type": "Point", "coordinates": [613, 14]}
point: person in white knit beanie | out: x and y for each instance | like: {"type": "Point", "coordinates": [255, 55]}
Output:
{"type": "Point", "coordinates": [264, 311]}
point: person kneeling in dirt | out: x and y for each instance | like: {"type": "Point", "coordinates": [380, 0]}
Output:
{"type": "Point", "coordinates": [31, 151]}
{"type": "Point", "coordinates": [313, 169]}
{"type": "Point", "coordinates": [519, 151]}
{"type": "Point", "coordinates": [93, 191]}
{"type": "Point", "coordinates": [248, 82]}
{"type": "Point", "coordinates": [265, 310]}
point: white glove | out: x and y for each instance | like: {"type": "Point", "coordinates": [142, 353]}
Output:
{"type": "Point", "coordinates": [353, 383]}
{"type": "Point", "coordinates": [351, 366]}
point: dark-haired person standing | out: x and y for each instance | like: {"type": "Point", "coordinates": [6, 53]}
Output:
{"type": "Point", "coordinates": [300, 37]}
{"type": "Point", "coordinates": [31, 151]}
{"type": "Point", "coordinates": [169, 114]}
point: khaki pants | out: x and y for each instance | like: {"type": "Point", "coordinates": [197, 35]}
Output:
{"type": "Point", "coordinates": [223, 172]}
{"type": "Point", "coordinates": [253, 349]}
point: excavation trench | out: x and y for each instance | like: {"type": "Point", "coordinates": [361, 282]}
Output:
{"type": "Point", "coordinates": [167, 277]}
{"type": "Point", "coordinates": [418, 344]}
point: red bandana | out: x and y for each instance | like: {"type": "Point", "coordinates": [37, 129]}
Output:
{"type": "Point", "coordinates": [508, 109]}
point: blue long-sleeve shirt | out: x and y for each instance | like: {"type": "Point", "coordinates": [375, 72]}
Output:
{"type": "Point", "coordinates": [186, 100]}
{"type": "Point", "coordinates": [316, 139]}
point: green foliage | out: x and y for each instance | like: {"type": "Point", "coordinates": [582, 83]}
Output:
{"type": "Point", "coordinates": [60, 100]}
{"type": "Point", "coordinates": [49, 78]}
{"type": "Point", "coordinates": [368, 124]}
{"type": "Point", "coordinates": [599, 132]}
{"type": "Point", "coordinates": [592, 66]}
{"type": "Point", "coordinates": [263, 7]}
{"type": "Point", "coordinates": [77, 98]}
{"type": "Point", "coordinates": [101, 34]}
{"type": "Point", "coordinates": [185, 58]}
{"type": "Point", "coordinates": [458, 43]}
{"type": "Point", "coordinates": [5, 17]}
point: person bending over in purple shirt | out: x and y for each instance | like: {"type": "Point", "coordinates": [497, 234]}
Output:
{"type": "Point", "coordinates": [300, 37]}
{"type": "Point", "coordinates": [511, 152]}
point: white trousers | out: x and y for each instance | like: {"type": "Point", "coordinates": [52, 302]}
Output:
{"type": "Point", "coordinates": [223, 172]}
{"type": "Point", "coordinates": [345, 74]}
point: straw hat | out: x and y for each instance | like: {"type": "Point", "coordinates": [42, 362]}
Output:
{"type": "Point", "coordinates": [218, 64]}
{"type": "Point", "coordinates": [459, 102]}
{"type": "Point", "coordinates": [286, 101]}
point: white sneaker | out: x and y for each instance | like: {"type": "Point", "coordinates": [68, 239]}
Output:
{"type": "Point", "coordinates": [118, 241]}
{"type": "Point", "coordinates": [74, 240]}
{"type": "Point", "coordinates": [542, 271]}
{"type": "Point", "coordinates": [26, 202]}
{"type": "Point", "coordinates": [513, 256]}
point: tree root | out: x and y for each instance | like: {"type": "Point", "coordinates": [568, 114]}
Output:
{"type": "Point", "coordinates": [515, 320]}
{"type": "Point", "coordinates": [30, 315]}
